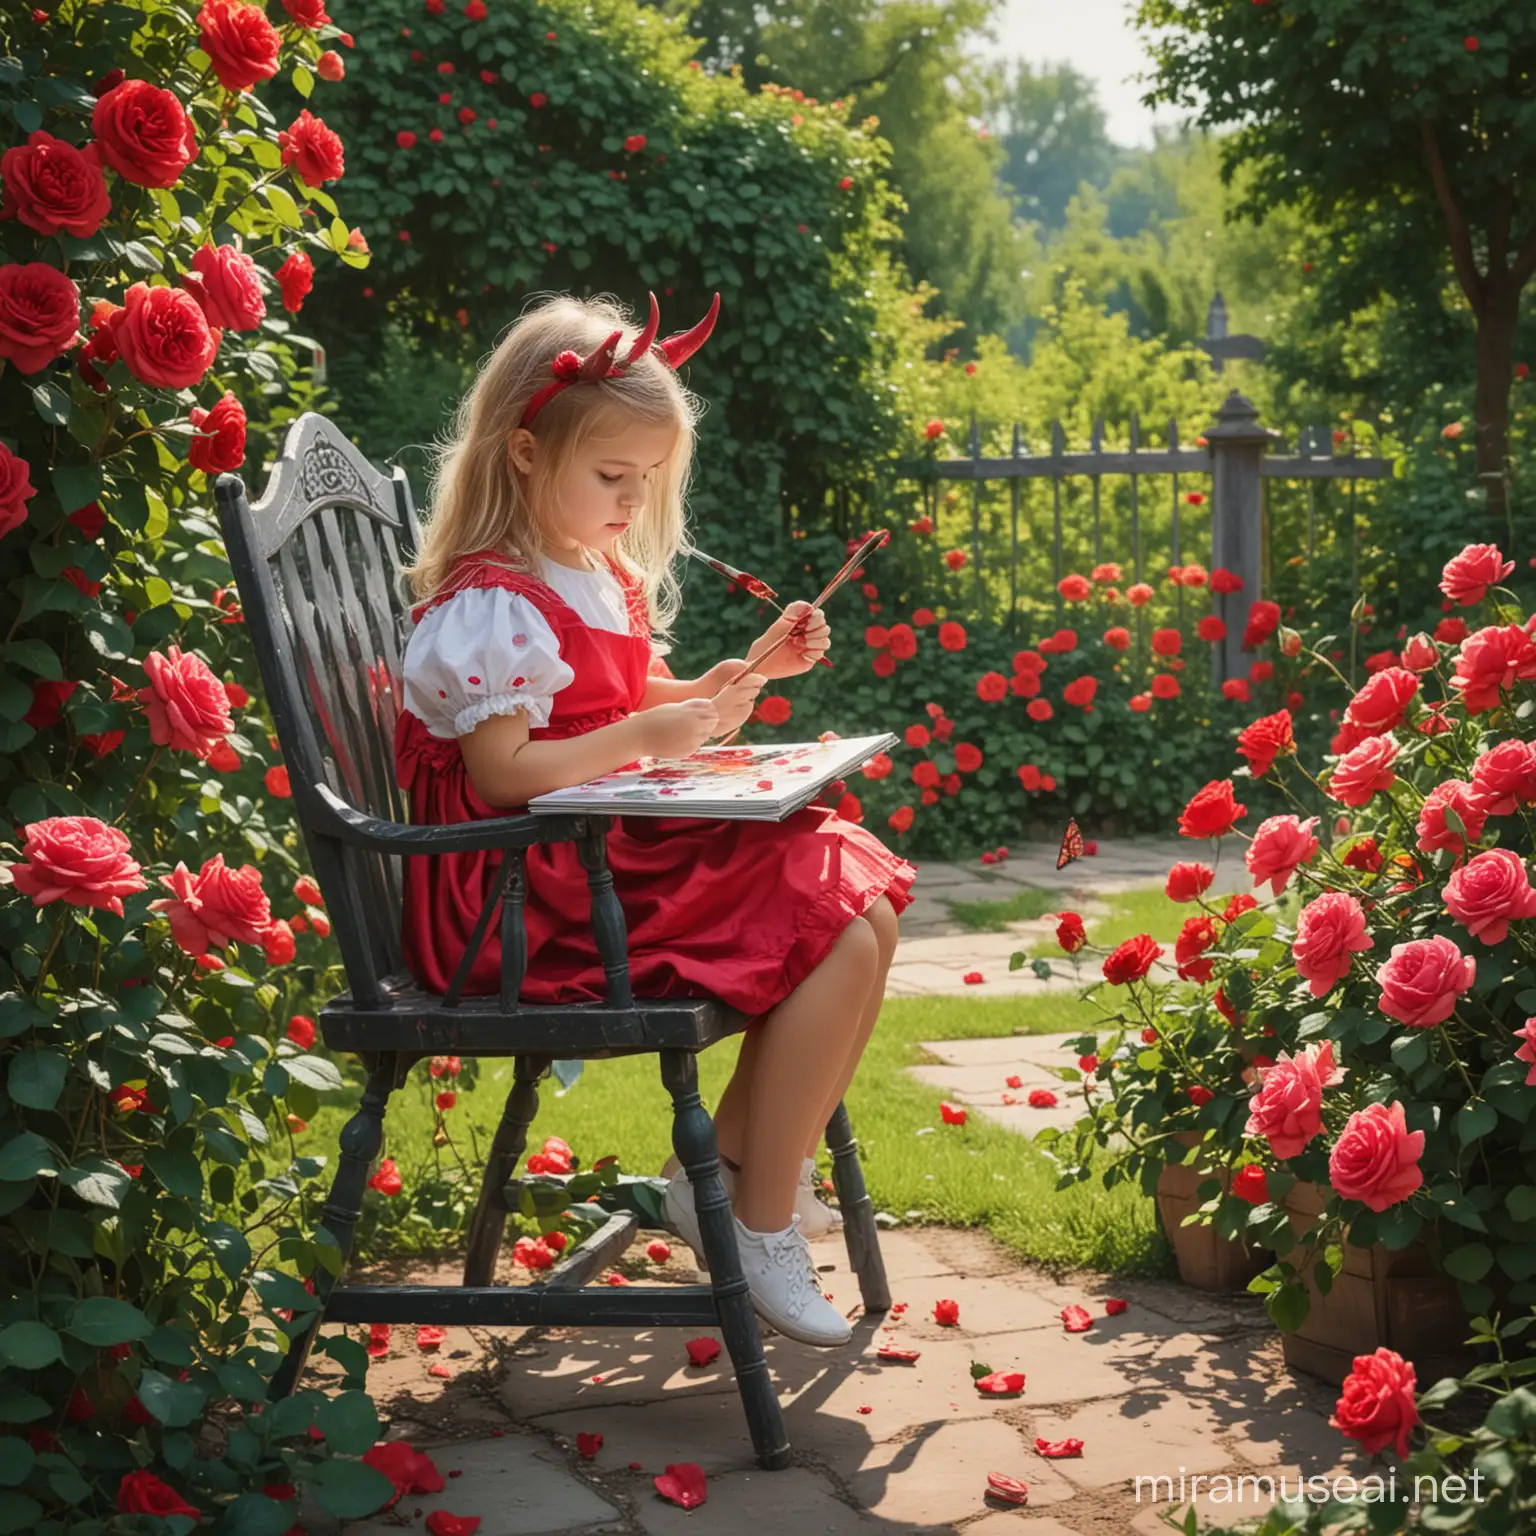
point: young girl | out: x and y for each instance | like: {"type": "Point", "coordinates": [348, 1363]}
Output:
{"type": "Point", "coordinates": [547, 588]}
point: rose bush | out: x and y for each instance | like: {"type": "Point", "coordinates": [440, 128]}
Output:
{"type": "Point", "coordinates": [158, 936]}
{"type": "Point", "coordinates": [1369, 1029]}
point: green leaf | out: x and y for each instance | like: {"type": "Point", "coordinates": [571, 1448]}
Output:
{"type": "Point", "coordinates": [36, 1078]}
{"type": "Point", "coordinates": [19, 1511]}
{"type": "Point", "coordinates": [52, 403]}
{"type": "Point", "coordinates": [254, 1514]}
{"type": "Point", "coordinates": [25, 1156]}
{"type": "Point", "coordinates": [35, 657]}
{"type": "Point", "coordinates": [99, 1180]}
{"type": "Point", "coordinates": [1469, 1262]}
{"type": "Point", "coordinates": [104, 1320]}
{"type": "Point", "coordinates": [350, 1423]}
{"type": "Point", "coordinates": [1521, 1202]}
{"type": "Point", "coordinates": [282, 205]}
{"type": "Point", "coordinates": [17, 1462]}
{"type": "Point", "coordinates": [303, 81]}
{"type": "Point", "coordinates": [178, 1171]}
{"type": "Point", "coordinates": [349, 1490]}
{"type": "Point", "coordinates": [321, 1074]}
{"type": "Point", "coordinates": [76, 486]}
{"type": "Point", "coordinates": [1288, 1306]}
{"type": "Point", "coordinates": [231, 1250]}
{"type": "Point", "coordinates": [1475, 1120]}
{"type": "Point", "coordinates": [174, 1403]}
{"type": "Point", "coordinates": [18, 1407]}
{"type": "Point", "coordinates": [140, 256]}
{"type": "Point", "coordinates": [30, 1346]}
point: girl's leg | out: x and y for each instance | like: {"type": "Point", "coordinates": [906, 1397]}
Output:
{"type": "Point", "coordinates": [882, 918]}
{"type": "Point", "coordinates": [731, 1111]}
{"type": "Point", "coordinates": [799, 1059]}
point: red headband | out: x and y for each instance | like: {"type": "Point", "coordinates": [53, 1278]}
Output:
{"type": "Point", "coordinates": [571, 368]}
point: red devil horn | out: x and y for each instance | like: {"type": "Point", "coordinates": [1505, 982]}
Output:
{"type": "Point", "coordinates": [646, 337]}
{"type": "Point", "coordinates": [599, 363]}
{"type": "Point", "coordinates": [681, 347]}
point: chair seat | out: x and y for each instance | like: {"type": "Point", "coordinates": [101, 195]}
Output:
{"type": "Point", "coordinates": [409, 1018]}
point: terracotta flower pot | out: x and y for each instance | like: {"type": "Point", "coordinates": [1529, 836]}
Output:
{"type": "Point", "coordinates": [1206, 1260]}
{"type": "Point", "coordinates": [1396, 1299]}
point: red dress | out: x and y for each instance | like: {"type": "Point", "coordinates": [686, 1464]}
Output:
{"type": "Point", "coordinates": [738, 910]}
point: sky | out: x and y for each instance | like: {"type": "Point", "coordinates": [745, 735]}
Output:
{"type": "Point", "coordinates": [1097, 39]}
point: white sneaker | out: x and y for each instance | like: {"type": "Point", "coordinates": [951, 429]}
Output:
{"type": "Point", "coordinates": [817, 1218]}
{"type": "Point", "coordinates": [678, 1207]}
{"type": "Point", "coordinates": [781, 1276]}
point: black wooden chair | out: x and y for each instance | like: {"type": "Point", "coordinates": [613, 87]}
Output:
{"type": "Point", "coordinates": [317, 561]}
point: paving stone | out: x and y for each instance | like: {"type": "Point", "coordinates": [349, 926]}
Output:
{"type": "Point", "coordinates": [793, 1500]}
{"type": "Point", "coordinates": [709, 1430]}
{"type": "Point", "coordinates": [981, 1089]}
{"type": "Point", "coordinates": [1059, 1367]}
{"type": "Point", "coordinates": [514, 1484]}
{"type": "Point", "coordinates": [1133, 1437]}
{"type": "Point", "coordinates": [939, 1476]}
{"type": "Point", "coordinates": [1023, 1521]}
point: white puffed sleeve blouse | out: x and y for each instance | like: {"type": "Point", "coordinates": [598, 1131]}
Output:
{"type": "Point", "coordinates": [484, 652]}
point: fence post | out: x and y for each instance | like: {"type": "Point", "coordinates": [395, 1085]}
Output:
{"type": "Point", "coordinates": [1237, 442]}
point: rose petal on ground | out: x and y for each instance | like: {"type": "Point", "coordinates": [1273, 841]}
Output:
{"type": "Point", "coordinates": [891, 1352]}
{"type": "Point", "coordinates": [1075, 1320]}
{"type": "Point", "coordinates": [657, 1251]}
{"type": "Point", "coordinates": [429, 1336]}
{"type": "Point", "coordinates": [1009, 1489]}
{"type": "Point", "coordinates": [437, 1368]}
{"type": "Point", "coordinates": [946, 1312]}
{"type": "Point", "coordinates": [1114, 1306]}
{"type": "Point", "coordinates": [378, 1340]}
{"type": "Point", "coordinates": [587, 1446]}
{"type": "Point", "coordinates": [1001, 1383]}
{"type": "Point", "coordinates": [441, 1523]}
{"type": "Point", "coordinates": [682, 1484]}
{"type": "Point", "coordinates": [952, 1114]}
{"type": "Point", "coordinates": [1057, 1449]}
{"type": "Point", "coordinates": [1015, 1081]}
{"type": "Point", "coordinates": [702, 1351]}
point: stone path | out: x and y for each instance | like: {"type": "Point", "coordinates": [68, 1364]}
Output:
{"type": "Point", "coordinates": [1180, 1384]}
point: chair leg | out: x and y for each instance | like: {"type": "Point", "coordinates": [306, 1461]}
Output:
{"type": "Point", "coordinates": [361, 1138]}
{"type": "Point", "coordinates": [507, 1146]}
{"type": "Point", "coordinates": [693, 1139]}
{"type": "Point", "coordinates": [859, 1229]}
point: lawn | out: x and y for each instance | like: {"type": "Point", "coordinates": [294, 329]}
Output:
{"type": "Point", "coordinates": [1145, 910]}
{"type": "Point", "coordinates": [976, 1175]}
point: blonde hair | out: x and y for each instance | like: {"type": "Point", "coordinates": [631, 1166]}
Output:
{"type": "Point", "coordinates": [479, 500]}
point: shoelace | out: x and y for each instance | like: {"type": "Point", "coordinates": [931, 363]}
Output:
{"type": "Point", "coordinates": [789, 1250]}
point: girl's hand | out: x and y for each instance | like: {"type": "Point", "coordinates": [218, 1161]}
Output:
{"type": "Point", "coordinates": [799, 654]}
{"type": "Point", "coordinates": [679, 730]}
{"type": "Point", "coordinates": [735, 703]}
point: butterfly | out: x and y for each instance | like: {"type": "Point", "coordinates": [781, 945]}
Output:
{"type": "Point", "coordinates": [1071, 845]}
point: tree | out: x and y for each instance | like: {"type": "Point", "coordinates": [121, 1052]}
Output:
{"type": "Point", "coordinates": [1054, 139]}
{"type": "Point", "coordinates": [1352, 109]}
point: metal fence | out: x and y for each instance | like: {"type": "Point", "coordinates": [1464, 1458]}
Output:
{"type": "Point", "coordinates": [1130, 506]}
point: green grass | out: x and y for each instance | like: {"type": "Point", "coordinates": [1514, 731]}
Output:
{"type": "Point", "coordinates": [995, 916]}
{"type": "Point", "coordinates": [976, 1175]}
{"type": "Point", "coordinates": [1145, 910]}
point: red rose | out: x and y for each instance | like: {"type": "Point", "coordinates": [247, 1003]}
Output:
{"type": "Point", "coordinates": [1196, 936]}
{"type": "Point", "coordinates": [901, 818]}
{"type": "Point", "coordinates": [1378, 1407]}
{"type": "Point", "coordinates": [216, 907]}
{"type": "Point", "coordinates": [239, 40]}
{"type": "Point", "coordinates": [1211, 629]}
{"type": "Point", "coordinates": [48, 699]}
{"type": "Point", "coordinates": [145, 135]}
{"type": "Point", "coordinates": [386, 1179]}
{"type": "Point", "coordinates": [1382, 704]}
{"type": "Point", "coordinates": [635, 143]}
{"type": "Point", "coordinates": [276, 780]}
{"type": "Point", "coordinates": [1167, 642]}
{"type": "Point", "coordinates": [1039, 710]}
{"type": "Point", "coordinates": [878, 767]}
{"type": "Point", "coordinates": [1451, 631]}
{"type": "Point", "coordinates": [296, 277]}
{"type": "Point", "coordinates": [77, 860]}
{"type": "Point", "coordinates": [186, 703]}
{"type": "Point", "coordinates": [315, 150]}
{"type": "Point", "coordinates": [39, 314]}
{"type": "Point", "coordinates": [1188, 882]}
{"type": "Point", "coordinates": [330, 66]}
{"type": "Point", "coordinates": [51, 186]}
{"type": "Point", "coordinates": [164, 337]}
{"type": "Point", "coordinates": [1075, 589]}
{"type": "Point", "coordinates": [308, 13]}
{"type": "Point", "coordinates": [16, 489]}
{"type": "Point", "coordinates": [301, 1030]}
{"type": "Point", "coordinates": [278, 943]}
{"type": "Point", "coordinates": [1131, 960]}
{"type": "Point", "coordinates": [1467, 576]}
{"type": "Point", "coordinates": [142, 1493]}
{"type": "Point", "coordinates": [1249, 1183]}
{"type": "Point", "coordinates": [1267, 738]}
{"type": "Point", "coordinates": [1211, 811]}
{"type": "Point", "coordinates": [227, 283]}
{"type": "Point", "coordinates": [220, 444]}
{"type": "Point", "coordinates": [1165, 686]}
{"type": "Point", "coordinates": [1236, 689]}
{"type": "Point", "coordinates": [1199, 1095]}
{"type": "Point", "coordinates": [991, 687]}
{"type": "Point", "coordinates": [954, 559]}
{"type": "Point", "coordinates": [1263, 621]}
{"type": "Point", "coordinates": [952, 636]}
{"type": "Point", "coordinates": [967, 757]}
{"type": "Point", "coordinates": [902, 642]}
{"type": "Point", "coordinates": [774, 710]}
{"type": "Point", "coordinates": [1118, 637]}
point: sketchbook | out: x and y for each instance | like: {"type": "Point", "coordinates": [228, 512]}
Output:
{"type": "Point", "coordinates": [765, 783]}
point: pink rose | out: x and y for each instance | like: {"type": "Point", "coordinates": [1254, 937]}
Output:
{"type": "Point", "coordinates": [1490, 661]}
{"type": "Point", "coordinates": [16, 489]}
{"type": "Point", "coordinates": [1363, 770]}
{"type": "Point", "coordinates": [1376, 1158]}
{"type": "Point", "coordinates": [1288, 1104]}
{"type": "Point", "coordinates": [1467, 576]}
{"type": "Point", "coordinates": [216, 907]}
{"type": "Point", "coordinates": [186, 703]}
{"type": "Point", "coordinates": [1420, 654]}
{"type": "Point", "coordinates": [1382, 703]}
{"type": "Point", "coordinates": [1378, 1407]}
{"type": "Point", "coordinates": [227, 284]}
{"type": "Point", "coordinates": [1526, 1052]}
{"type": "Point", "coordinates": [77, 860]}
{"type": "Point", "coordinates": [1422, 980]}
{"type": "Point", "coordinates": [1188, 882]}
{"type": "Point", "coordinates": [1436, 833]}
{"type": "Point", "coordinates": [1504, 777]}
{"type": "Point", "coordinates": [1489, 893]}
{"type": "Point", "coordinates": [1329, 931]}
{"type": "Point", "coordinates": [1280, 846]}
{"type": "Point", "coordinates": [39, 314]}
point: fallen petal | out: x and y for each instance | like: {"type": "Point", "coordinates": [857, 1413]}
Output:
{"type": "Point", "coordinates": [891, 1352]}
{"type": "Point", "coordinates": [865, 1408]}
{"type": "Point", "coordinates": [682, 1484]}
{"type": "Point", "coordinates": [378, 1340]}
{"type": "Point", "coordinates": [441, 1523]}
{"type": "Point", "coordinates": [437, 1368]}
{"type": "Point", "coordinates": [947, 1312]}
{"type": "Point", "coordinates": [702, 1351]}
{"type": "Point", "coordinates": [587, 1446]}
{"type": "Point", "coordinates": [1009, 1489]}
{"type": "Point", "coordinates": [952, 1114]}
{"type": "Point", "coordinates": [1015, 1081]}
{"type": "Point", "coordinates": [1057, 1449]}
{"type": "Point", "coordinates": [1002, 1384]}
{"type": "Point", "coordinates": [1075, 1320]}
{"type": "Point", "coordinates": [429, 1336]}
{"type": "Point", "coordinates": [1114, 1306]}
